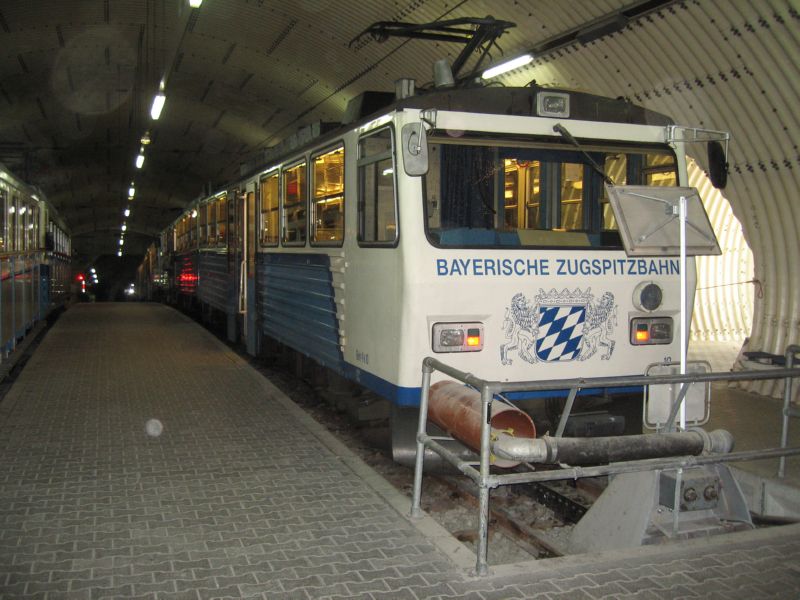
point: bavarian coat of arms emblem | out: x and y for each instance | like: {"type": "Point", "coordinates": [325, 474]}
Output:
{"type": "Point", "coordinates": [559, 326]}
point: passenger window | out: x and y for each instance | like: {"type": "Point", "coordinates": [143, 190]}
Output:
{"type": "Point", "coordinates": [327, 204]}
{"type": "Point", "coordinates": [179, 235]}
{"type": "Point", "coordinates": [192, 224]}
{"type": "Point", "coordinates": [294, 205]}
{"type": "Point", "coordinates": [3, 210]}
{"type": "Point", "coordinates": [33, 228]}
{"type": "Point", "coordinates": [23, 227]}
{"type": "Point", "coordinates": [377, 208]}
{"type": "Point", "coordinates": [269, 210]}
{"type": "Point", "coordinates": [202, 215]}
{"type": "Point", "coordinates": [222, 219]}
{"type": "Point", "coordinates": [14, 228]}
{"type": "Point", "coordinates": [211, 222]}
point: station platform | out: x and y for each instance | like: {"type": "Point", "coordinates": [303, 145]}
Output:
{"type": "Point", "coordinates": [141, 458]}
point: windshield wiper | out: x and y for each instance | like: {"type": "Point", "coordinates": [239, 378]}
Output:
{"type": "Point", "coordinates": [562, 131]}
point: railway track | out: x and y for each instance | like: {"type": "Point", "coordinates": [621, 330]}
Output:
{"type": "Point", "coordinates": [526, 521]}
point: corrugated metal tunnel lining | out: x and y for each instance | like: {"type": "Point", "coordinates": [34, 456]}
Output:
{"type": "Point", "coordinates": [728, 66]}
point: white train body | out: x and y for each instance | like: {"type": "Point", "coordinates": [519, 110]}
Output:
{"type": "Point", "coordinates": [499, 245]}
{"type": "Point", "coordinates": [398, 297]}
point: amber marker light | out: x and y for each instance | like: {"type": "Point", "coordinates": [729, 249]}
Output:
{"type": "Point", "coordinates": [473, 338]}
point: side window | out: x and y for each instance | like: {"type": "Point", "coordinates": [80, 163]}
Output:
{"type": "Point", "coordinates": [3, 211]}
{"type": "Point", "coordinates": [35, 241]}
{"type": "Point", "coordinates": [24, 217]}
{"type": "Point", "coordinates": [211, 221]}
{"type": "Point", "coordinates": [202, 217]}
{"type": "Point", "coordinates": [377, 206]}
{"type": "Point", "coordinates": [13, 226]}
{"type": "Point", "coordinates": [294, 205]}
{"type": "Point", "coordinates": [192, 224]}
{"type": "Point", "coordinates": [269, 210]}
{"type": "Point", "coordinates": [327, 202]}
{"type": "Point", "coordinates": [179, 235]}
{"type": "Point", "coordinates": [222, 219]}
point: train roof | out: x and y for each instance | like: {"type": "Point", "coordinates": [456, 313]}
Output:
{"type": "Point", "coordinates": [523, 102]}
{"type": "Point", "coordinates": [483, 99]}
{"type": "Point", "coordinates": [499, 100]}
{"type": "Point", "coordinates": [14, 181]}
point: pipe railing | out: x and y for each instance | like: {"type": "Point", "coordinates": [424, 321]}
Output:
{"type": "Point", "coordinates": [788, 410]}
{"type": "Point", "coordinates": [485, 480]}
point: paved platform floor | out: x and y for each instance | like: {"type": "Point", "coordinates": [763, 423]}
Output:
{"type": "Point", "coordinates": [140, 458]}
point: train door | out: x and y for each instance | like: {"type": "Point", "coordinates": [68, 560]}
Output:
{"type": "Point", "coordinates": [246, 224]}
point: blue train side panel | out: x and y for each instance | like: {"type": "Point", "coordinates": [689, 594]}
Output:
{"type": "Point", "coordinates": [297, 306]}
{"type": "Point", "coordinates": [214, 282]}
{"type": "Point", "coordinates": [45, 276]}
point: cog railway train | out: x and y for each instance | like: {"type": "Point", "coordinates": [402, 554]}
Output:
{"type": "Point", "coordinates": [35, 259]}
{"type": "Point", "coordinates": [458, 224]}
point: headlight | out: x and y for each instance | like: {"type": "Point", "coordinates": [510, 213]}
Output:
{"type": "Point", "coordinates": [552, 104]}
{"type": "Point", "coordinates": [648, 296]}
{"type": "Point", "coordinates": [457, 337]}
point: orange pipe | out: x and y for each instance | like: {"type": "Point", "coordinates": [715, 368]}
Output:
{"type": "Point", "coordinates": [457, 410]}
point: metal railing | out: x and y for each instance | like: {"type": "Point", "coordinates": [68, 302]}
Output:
{"type": "Point", "coordinates": [788, 410]}
{"type": "Point", "coordinates": [485, 480]}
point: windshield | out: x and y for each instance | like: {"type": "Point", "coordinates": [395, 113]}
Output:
{"type": "Point", "coordinates": [484, 194]}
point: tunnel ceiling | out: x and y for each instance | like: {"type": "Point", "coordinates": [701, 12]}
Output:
{"type": "Point", "coordinates": [78, 77]}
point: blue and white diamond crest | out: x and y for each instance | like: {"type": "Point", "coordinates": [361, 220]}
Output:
{"type": "Point", "coordinates": [559, 326]}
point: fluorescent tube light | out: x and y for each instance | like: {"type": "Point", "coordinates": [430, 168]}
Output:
{"type": "Point", "coordinates": [158, 105]}
{"type": "Point", "coordinates": [139, 161]}
{"type": "Point", "coordinates": [507, 66]}
{"type": "Point", "coordinates": [195, 3]}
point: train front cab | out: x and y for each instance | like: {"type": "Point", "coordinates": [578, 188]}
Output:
{"type": "Point", "coordinates": [512, 268]}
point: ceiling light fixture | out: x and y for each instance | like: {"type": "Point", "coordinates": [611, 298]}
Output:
{"type": "Point", "coordinates": [507, 66]}
{"type": "Point", "coordinates": [195, 3]}
{"type": "Point", "coordinates": [158, 106]}
{"type": "Point", "coordinates": [131, 192]}
{"type": "Point", "coordinates": [140, 161]}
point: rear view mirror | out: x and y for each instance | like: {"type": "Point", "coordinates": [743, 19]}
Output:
{"type": "Point", "coordinates": [414, 142]}
{"type": "Point", "coordinates": [717, 165]}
